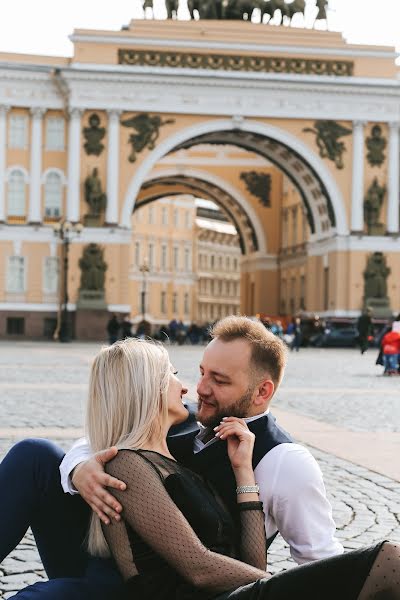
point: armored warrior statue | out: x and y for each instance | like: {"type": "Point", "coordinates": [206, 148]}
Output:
{"type": "Point", "coordinates": [94, 194]}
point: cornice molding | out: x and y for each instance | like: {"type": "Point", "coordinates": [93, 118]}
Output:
{"type": "Point", "coordinates": [236, 47]}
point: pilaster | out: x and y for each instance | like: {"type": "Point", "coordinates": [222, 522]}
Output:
{"type": "Point", "coordinates": [357, 190]}
{"type": "Point", "coordinates": [393, 200]}
{"type": "Point", "coordinates": [74, 158]}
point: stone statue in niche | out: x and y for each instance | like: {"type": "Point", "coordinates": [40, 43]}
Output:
{"type": "Point", "coordinates": [93, 136]}
{"type": "Point", "coordinates": [94, 195]}
{"type": "Point", "coordinates": [375, 284]}
{"type": "Point", "coordinates": [93, 268]}
{"type": "Point", "coordinates": [376, 145]}
{"type": "Point", "coordinates": [372, 207]}
{"type": "Point", "coordinates": [328, 134]}
{"type": "Point", "coordinates": [147, 131]}
{"type": "Point", "coordinates": [259, 185]}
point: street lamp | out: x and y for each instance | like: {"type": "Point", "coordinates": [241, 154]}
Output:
{"type": "Point", "coordinates": [65, 232]}
{"type": "Point", "coordinates": [144, 269]}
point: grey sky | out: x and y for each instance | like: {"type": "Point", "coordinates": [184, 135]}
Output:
{"type": "Point", "coordinates": [43, 26]}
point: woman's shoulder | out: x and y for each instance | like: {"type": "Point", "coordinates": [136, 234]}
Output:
{"type": "Point", "coordinates": [144, 460]}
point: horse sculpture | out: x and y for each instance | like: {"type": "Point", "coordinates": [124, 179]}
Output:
{"type": "Point", "coordinates": [172, 8]}
{"type": "Point", "coordinates": [269, 7]}
{"type": "Point", "coordinates": [148, 4]}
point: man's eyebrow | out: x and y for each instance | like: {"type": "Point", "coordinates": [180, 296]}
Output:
{"type": "Point", "coordinates": [220, 374]}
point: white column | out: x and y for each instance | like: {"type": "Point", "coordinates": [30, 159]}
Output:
{"type": "Point", "coordinates": [74, 163]}
{"type": "Point", "coordinates": [112, 167]}
{"type": "Point", "coordinates": [3, 150]}
{"type": "Point", "coordinates": [393, 200]}
{"type": "Point", "coordinates": [357, 193]}
{"type": "Point", "coordinates": [35, 212]}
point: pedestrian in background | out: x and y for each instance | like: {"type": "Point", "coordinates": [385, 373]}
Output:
{"type": "Point", "coordinates": [113, 327]}
{"type": "Point", "coordinates": [365, 330]}
{"type": "Point", "coordinates": [126, 327]}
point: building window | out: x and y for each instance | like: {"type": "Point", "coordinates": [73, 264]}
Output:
{"type": "Point", "coordinates": [55, 134]}
{"type": "Point", "coordinates": [176, 217]}
{"type": "Point", "coordinates": [163, 305]}
{"type": "Point", "coordinates": [151, 215]}
{"type": "Point", "coordinates": [326, 288]}
{"type": "Point", "coordinates": [16, 194]}
{"type": "Point", "coordinates": [228, 263]}
{"type": "Point", "coordinates": [164, 257]}
{"type": "Point", "coordinates": [186, 304]}
{"type": "Point", "coordinates": [15, 326]}
{"type": "Point", "coordinates": [187, 259]}
{"type": "Point", "coordinates": [212, 261]}
{"type": "Point", "coordinates": [302, 292]}
{"type": "Point", "coordinates": [137, 253]}
{"type": "Point", "coordinates": [175, 303]}
{"type": "Point", "coordinates": [151, 256]}
{"type": "Point", "coordinates": [51, 269]}
{"type": "Point", "coordinates": [15, 283]}
{"type": "Point", "coordinates": [53, 195]}
{"type": "Point", "coordinates": [235, 264]}
{"type": "Point", "coordinates": [188, 220]}
{"type": "Point", "coordinates": [220, 262]}
{"type": "Point", "coordinates": [164, 215]}
{"type": "Point", "coordinates": [176, 258]}
{"type": "Point", "coordinates": [18, 132]}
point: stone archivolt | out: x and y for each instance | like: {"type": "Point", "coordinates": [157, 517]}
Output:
{"type": "Point", "coordinates": [229, 62]}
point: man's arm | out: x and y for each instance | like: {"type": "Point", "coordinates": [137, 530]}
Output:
{"type": "Point", "coordinates": [83, 473]}
{"type": "Point", "coordinates": [294, 497]}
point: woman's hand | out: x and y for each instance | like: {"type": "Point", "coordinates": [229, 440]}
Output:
{"type": "Point", "coordinates": [240, 442]}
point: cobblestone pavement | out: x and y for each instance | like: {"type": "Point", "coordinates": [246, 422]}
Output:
{"type": "Point", "coordinates": [43, 386]}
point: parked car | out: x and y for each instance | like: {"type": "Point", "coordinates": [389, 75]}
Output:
{"type": "Point", "coordinates": [334, 336]}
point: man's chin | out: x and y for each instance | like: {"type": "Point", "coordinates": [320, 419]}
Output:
{"type": "Point", "coordinates": [208, 417]}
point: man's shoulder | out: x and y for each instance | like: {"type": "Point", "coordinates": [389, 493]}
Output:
{"type": "Point", "coordinates": [290, 460]}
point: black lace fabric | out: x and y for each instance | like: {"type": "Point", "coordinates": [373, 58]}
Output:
{"type": "Point", "coordinates": [174, 529]}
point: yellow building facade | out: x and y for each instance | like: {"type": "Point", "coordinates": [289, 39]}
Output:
{"type": "Point", "coordinates": [293, 133]}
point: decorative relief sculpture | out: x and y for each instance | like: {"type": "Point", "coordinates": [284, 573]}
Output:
{"type": "Point", "coordinates": [376, 145]}
{"type": "Point", "coordinates": [225, 62]}
{"type": "Point", "coordinates": [328, 134]}
{"type": "Point", "coordinates": [147, 131]}
{"type": "Point", "coordinates": [375, 276]}
{"type": "Point", "coordinates": [372, 208]}
{"type": "Point", "coordinates": [93, 268]}
{"type": "Point", "coordinates": [95, 197]}
{"type": "Point", "coordinates": [93, 136]}
{"type": "Point", "coordinates": [259, 185]}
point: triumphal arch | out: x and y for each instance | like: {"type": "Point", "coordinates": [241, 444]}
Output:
{"type": "Point", "coordinates": [291, 130]}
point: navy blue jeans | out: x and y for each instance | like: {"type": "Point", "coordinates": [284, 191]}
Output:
{"type": "Point", "coordinates": [31, 496]}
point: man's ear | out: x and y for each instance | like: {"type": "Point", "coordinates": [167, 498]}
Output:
{"type": "Point", "coordinates": [265, 391]}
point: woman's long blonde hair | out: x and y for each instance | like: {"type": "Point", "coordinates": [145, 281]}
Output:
{"type": "Point", "coordinates": [126, 405]}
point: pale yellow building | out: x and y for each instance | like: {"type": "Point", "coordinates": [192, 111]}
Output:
{"type": "Point", "coordinates": [286, 129]}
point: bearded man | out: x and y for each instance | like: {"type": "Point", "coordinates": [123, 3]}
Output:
{"type": "Point", "coordinates": [241, 369]}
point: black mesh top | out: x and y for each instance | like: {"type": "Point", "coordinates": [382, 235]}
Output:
{"type": "Point", "coordinates": [176, 538]}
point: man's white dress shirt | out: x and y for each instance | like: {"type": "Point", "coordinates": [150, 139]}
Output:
{"type": "Point", "coordinates": [291, 489]}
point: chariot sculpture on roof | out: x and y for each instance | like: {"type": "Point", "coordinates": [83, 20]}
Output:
{"type": "Point", "coordinates": [240, 9]}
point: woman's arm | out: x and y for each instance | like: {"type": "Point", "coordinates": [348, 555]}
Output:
{"type": "Point", "coordinates": [149, 510]}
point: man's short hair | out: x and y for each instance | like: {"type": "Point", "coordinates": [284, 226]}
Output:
{"type": "Point", "coordinates": [268, 352]}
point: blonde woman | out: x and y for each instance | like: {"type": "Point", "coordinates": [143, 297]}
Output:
{"type": "Point", "coordinates": [176, 539]}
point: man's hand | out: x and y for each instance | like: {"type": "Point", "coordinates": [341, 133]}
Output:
{"type": "Point", "coordinates": [90, 480]}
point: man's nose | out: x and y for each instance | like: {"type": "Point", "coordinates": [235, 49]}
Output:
{"type": "Point", "coordinates": [203, 389]}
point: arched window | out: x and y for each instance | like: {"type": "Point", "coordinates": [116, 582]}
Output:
{"type": "Point", "coordinates": [53, 196]}
{"type": "Point", "coordinates": [16, 194]}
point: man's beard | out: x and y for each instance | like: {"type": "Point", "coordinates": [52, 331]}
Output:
{"type": "Point", "coordinates": [239, 409]}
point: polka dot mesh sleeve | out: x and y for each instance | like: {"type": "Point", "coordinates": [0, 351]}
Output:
{"type": "Point", "coordinates": [383, 581]}
{"type": "Point", "coordinates": [253, 546]}
{"type": "Point", "coordinates": [150, 512]}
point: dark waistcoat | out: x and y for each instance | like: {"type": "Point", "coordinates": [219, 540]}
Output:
{"type": "Point", "coordinates": [213, 462]}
